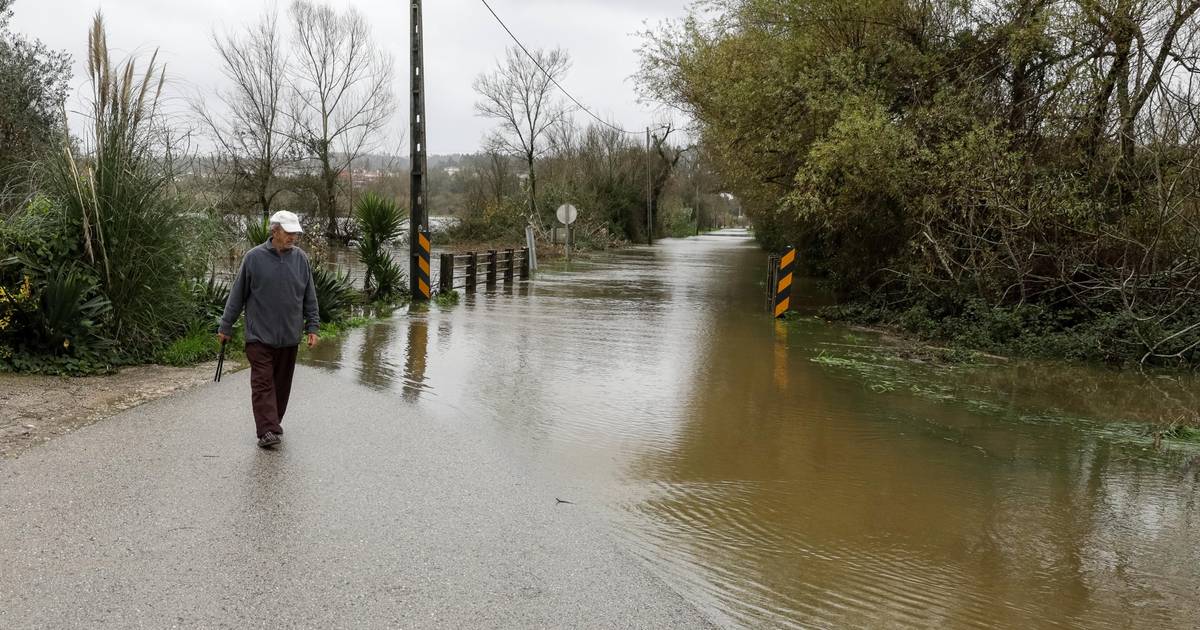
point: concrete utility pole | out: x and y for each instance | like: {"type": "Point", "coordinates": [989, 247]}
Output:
{"type": "Point", "coordinates": [418, 216]}
{"type": "Point", "coordinates": [649, 194]}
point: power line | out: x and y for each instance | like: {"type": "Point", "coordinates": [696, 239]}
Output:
{"type": "Point", "coordinates": [552, 79]}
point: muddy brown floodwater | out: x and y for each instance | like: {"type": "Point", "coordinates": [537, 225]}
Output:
{"type": "Point", "coordinates": [793, 475]}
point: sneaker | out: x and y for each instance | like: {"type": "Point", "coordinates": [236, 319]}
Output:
{"type": "Point", "coordinates": [268, 440]}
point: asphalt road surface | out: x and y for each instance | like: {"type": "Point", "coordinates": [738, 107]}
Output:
{"type": "Point", "coordinates": [168, 515]}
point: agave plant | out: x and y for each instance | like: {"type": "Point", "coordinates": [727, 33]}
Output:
{"type": "Point", "coordinates": [335, 292]}
{"type": "Point", "coordinates": [209, 296]}
{"type": "Point", "coordinates": [380, 221]}
{"type": "Point", "coordinates": [72, 313]}
{"type": "Point", "coordinates": [390, 279]}
{"type": "Point", "coordinates": [257, 232]}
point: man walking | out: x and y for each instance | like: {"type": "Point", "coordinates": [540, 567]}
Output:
{"type": "Point", "coordinates": [275, 286]}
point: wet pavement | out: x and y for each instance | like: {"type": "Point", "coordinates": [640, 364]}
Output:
{"type": "Point", "coordinates": [369, 516]}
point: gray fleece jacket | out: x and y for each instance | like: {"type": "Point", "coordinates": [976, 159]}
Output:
{"type": "Point", "coordinates": [278, 294]}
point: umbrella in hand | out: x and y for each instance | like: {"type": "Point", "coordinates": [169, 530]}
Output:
{"type": "Point", "coordinates": [220, 363]}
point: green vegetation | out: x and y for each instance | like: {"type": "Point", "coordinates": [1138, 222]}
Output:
{"type": "Point", "coordinates": [257, 232]}
{"type": "Point", "coordinates": [1015, 176]}
{"type": "Point", "coordinates": [33, 84]}
{"type": "Point", "coordinates": [495, 220]}
{"type": "Point", "coordinates": [112, 249]}
{"type": "Point", "coordinates": [198, 345]}
{"type": "Point", "coordinates": [131, 229]}
{"type": "Point", "coordinates": [336, 328]}
{"type": "Point", "coordinates": [336, 295]}
{"type": "Point", "coordinates": [102, 263]}
{"type": "Point", "coordinates": [537, 159]}
{"type": "Point", "coordinates": [1028, 330]}
{"type": "Point", "coordinates": [448, 298]}
{"type": "Point", "coordinates": [887, 369]}
{"type": "Point", "coordinates": [380, 222]}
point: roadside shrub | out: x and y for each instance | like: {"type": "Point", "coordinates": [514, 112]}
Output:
{"type": "Point", "coordinates": [72, 312]}
{"type": "Point", "coordinates": [53, 322]}
{"type": "Point", "coordinates": [335, 292]}
{"type": "Point", "coordinates": [497, 220]}
{"type": "Point", "coordinates": [448, 298]}
{"type": "Point", "coordinates": [391, 281]}
{"type": "Point", "coordinates": [199, 344]}
{"type": "Point", "coordinates": [208, 297]}
{"type": "Point", "coordinates": [133, 232]}
{"type": "Point", "coordinates": [380, 222]}
{"type": "Point", "coordinates": [1030, 330]}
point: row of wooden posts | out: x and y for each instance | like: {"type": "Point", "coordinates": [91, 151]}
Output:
{"type": "Point", "coordinates": [462, 271]}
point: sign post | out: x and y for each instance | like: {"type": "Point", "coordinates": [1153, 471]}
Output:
{"type": "Point", "coordinates": [567, 214]}
{"type": "Point", "coordinates": [531, 244]}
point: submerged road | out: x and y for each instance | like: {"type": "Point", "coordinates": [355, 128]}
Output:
{"type": "Point", "coordinates": [797, 475]}
{"type": "Point", "coordinates": [167, 515]}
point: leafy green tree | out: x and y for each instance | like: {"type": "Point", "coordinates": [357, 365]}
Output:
{"type": "Point", "coordinates": [1032, 155]}
{"type": "Point", "coordinates": [34, 81]}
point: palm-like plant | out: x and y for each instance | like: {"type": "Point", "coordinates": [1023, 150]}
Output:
{"type": "Point", "coordinates": [380, 222]}
{"type": "Point", "coordinates": [71, 313]}
{"type": "Point", "coordinates": [257, 232]}
{"type": "Point", "coordinates": [335, 292]}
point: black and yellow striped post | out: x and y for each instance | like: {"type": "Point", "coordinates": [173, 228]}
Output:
{"type": "Point", "coordinates": [783, 282]}
{"type": "Point", "coordinates": [423, 247]}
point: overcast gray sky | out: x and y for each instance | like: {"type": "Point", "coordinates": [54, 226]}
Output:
{"type": "Point", "coordinates": [461, 41]}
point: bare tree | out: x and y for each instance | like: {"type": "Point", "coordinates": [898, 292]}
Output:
{"type": "Point", "coordinates": [520, 95]}
{"type": "Point", "coordinates": [495, 173]}
{"type": "Point", "coordinates": [342, 94]}
{"type": "Point", "coordinates": [249, 136]}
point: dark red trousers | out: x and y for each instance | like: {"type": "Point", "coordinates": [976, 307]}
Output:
{"type": "Point", "coordinates": [271, 372]}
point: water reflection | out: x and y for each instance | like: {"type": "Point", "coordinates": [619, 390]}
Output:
{"type": "Point", "coordinates": [415, 355]}
{"type": "Point", "coordinates": [376, 370]}
{"type": "Point", "coordinates": [791, 475]}
{"type": "Point", "coordinates": [387, 355]}
{"type": "Point", "coordinates": [780, 357]}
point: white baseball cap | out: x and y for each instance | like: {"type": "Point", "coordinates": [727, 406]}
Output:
{"type": "Point", "coordinates": [287, 220]}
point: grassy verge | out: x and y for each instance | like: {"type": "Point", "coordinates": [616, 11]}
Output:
{"type": "Point", "coordinates": [1030, 331]}
{"type": "Point", "coordinates": [330, 330]}
{"type": "Point", "coordinates": [1150, 411]}
{"type": "Point", "coordinates": [195, 347]}
{"type": "Point", "coordinates": [200, 344]}
{"type": "Point", "coordinates": [446, 299]}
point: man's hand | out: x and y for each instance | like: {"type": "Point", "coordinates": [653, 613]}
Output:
{"type": "Point", "coordinates": [222, 337]}
{"type": "Point", "coordinates": [312, 339]}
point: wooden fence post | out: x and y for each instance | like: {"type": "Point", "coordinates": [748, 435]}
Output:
{"type": "Point", "coordinates": [472, 271]}
{"type": "Point", "coordinates": [508, 266]}
{"type": "Point", "coordinates": [491, 272]}
{"type": "Point", "coordinates": [524, 263]}
{"type": "Point", "coordinates": [446, 273]}
{"type": "Point", "coordinates": [772, 271]}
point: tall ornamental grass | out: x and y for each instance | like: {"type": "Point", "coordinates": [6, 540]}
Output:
{"type": "Point", "coordinates": [135, 232]}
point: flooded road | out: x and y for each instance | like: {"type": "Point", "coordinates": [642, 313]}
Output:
{"type": "Point", "coordinates": [790, 475]}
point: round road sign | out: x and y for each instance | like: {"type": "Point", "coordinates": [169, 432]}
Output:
{"type": "Point", "coordinates": [567, 214]}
